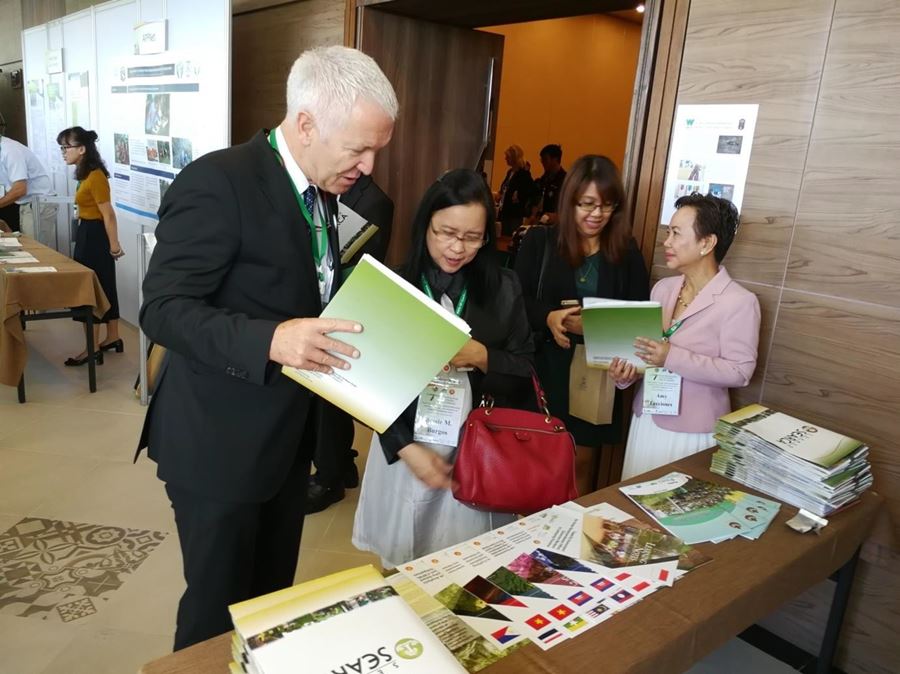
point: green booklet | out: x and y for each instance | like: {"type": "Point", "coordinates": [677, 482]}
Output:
{"type": "Point", "coordinates": [611, 326]}
{"type": "Point", "coordinates": [406, 339]}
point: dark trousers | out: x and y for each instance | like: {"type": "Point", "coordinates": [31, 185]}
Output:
{"type": "Point", "coordinates": [334, 445]}
{"type": "Point", "coordinates": [235, 551]}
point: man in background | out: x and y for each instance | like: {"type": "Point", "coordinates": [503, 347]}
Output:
{"type": "Point", "coordinates": [550, 184]}
{"type": "Point", "coordinates": [334, 458]}
{"type": "Point", "coordinates": [22, 176]}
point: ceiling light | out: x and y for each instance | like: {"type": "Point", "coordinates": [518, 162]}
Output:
{"type": "Point", "coordinates": [640, 8]}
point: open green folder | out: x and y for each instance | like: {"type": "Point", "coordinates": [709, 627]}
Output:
{"type": "Point", "coordinates": [406, 339]}
{"type": "Point", "coordinates": [611, 326]}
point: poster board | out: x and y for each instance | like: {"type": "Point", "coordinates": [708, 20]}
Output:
{"type": "Point", "coordinates": [709, 153]}
{"type": "Point", "coordinates": [98, 45]}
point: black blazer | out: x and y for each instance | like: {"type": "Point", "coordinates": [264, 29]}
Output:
{"type": "Point", "coordinates": [501, 325]}
{"type": "Point", "coordinates": [519, 184]}
{"type": "Point", "coordinates": [233, 259]}
{"type": "Point", "coordinates": [627, 280]}
{"type": "Point", "coordinates": [367, 199]}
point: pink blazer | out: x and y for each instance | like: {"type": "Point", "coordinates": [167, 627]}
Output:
{"type": "Point", "coordinates": [713, 350]}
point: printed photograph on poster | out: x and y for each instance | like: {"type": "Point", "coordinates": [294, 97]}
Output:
{"type": "Point", "coordinates": [165, 152]}
{"type": "Point", "coordinates": [182, 153]}
{"type": "Point", "coordinates": [709, 153]}
{"type": "Point", "coordinates": [120, 142]}
{"type": "Point", "coordinates": [152, 151]}
{"type": "Point", "coordinates": [156, 117]}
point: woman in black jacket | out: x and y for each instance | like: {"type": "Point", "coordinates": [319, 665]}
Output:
{"type": "Point", "coordinates": [517, 192]}
{"type": "Point", "coordinates": [590, 254]}
{"type": "Point", "coordinates": [406, 509]}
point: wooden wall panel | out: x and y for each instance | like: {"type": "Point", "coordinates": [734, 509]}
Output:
{"type": "Point", "coordinates": [36, 12]}
{"type": "Point", "coordinates": [10, 31]}
{"type": "Point", "coordinates": [265, 44]}
{"type": "Point", "coordinates": [768, 52]}
{"type": "Point", "coordinates": [847, 241]}
{"type": "Point", "coordinates": [837, 363]}
{"type": "Point", "coordinates": [820, 245]}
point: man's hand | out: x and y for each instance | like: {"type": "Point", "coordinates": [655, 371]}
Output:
{"type": "Point", "coordinates": [428, 466]}
{"type": "Point", "coordinates": [304, 343]}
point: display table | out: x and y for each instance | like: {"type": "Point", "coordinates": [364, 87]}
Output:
{"type": "Point", "coordinates": [73, 290]}
{"type": "Point", "coordinates": [674, 627]}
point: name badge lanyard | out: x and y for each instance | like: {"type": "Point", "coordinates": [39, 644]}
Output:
{"type": "Point", "coordinates": [460, 303]}
{"type": "Point", "coordinates": [318, 239]}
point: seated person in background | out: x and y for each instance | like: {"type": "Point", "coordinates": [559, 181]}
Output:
{"type": "Point", "coordinates": [711, 335]}
{"type": "Point", "coordinates": [406, 508]}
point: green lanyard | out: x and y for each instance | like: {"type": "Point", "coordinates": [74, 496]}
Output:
{"type": "Point", "coordinates": [318, 247]}
{"type": "Point", "coordinates": [672, 329]}
{"type": "Point", "coordinates": [460, 303]}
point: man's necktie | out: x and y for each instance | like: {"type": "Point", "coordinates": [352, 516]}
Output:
{"type": "Point", "coordinates": [309, 198]}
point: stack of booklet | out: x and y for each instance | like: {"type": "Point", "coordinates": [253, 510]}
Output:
{"type": "Point", "coordinates": [698, 511]}
{"type": "Point", "coordinates": [351, 621]}
{"type": "Point", "coordinates": [798, 462]}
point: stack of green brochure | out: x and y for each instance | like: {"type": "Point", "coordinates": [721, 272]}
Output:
{"type": "Point", "coordinates": [798, 462]}
{"type": "Point", "coordinates": [407, 338]}
{"type": "Point", "coordinates": [611, 326]}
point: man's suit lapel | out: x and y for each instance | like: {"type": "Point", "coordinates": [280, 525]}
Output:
{"type": "Point", "coordinates": [275, 183]}
{"type": "Point", "coordinates": [331, 210]}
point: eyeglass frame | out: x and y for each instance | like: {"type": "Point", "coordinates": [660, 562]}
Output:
{"type": "Point", "coordinates": [605, 209]}
{"type": "Point", "coordinates": [66, 148]}
{"type": "Point", "coordinates": [448, 239]}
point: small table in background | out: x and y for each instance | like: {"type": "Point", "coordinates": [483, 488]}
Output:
{"type": "Point", "coordinates": [72, 291]}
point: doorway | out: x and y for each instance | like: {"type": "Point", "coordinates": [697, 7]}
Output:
{"type": "Point", "coordinates": [455, 65]}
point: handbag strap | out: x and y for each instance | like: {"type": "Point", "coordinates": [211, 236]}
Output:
{"type": "Point", "coordinates": [544, 260]}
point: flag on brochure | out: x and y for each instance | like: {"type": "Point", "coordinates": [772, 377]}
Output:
{"type": "Point", "coordinates": [794, 460]}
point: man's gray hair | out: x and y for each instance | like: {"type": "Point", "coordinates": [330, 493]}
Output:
{"type": "Point", "coordinates": [326, 82]}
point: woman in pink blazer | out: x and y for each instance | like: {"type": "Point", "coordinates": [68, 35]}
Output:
{"type": "Point", "coordinates": [712, 325]}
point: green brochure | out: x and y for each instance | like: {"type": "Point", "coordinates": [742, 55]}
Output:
{"type": "Point", "coordinates": [611, 326]}
{"type": "Point", "coordinates": [406, 340]}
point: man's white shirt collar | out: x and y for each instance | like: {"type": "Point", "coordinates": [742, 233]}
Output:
{"type": "Point", "coordinates": [301, 182]}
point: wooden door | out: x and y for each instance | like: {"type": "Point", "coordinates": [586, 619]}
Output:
{"type": "Point", "coordinates": [447, 80]}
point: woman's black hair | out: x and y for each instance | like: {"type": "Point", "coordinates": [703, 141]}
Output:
{"type": "Point", "coordinates": [713, 215]}
{"type": "Point", "coordinates": [91, 159]}
{"type": "Point", "coordinates": [458, 187]}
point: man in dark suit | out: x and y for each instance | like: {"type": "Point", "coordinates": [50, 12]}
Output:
{"type": "Point", "coordinates": [335, 469]}
{"type": "Point", "coordinates": [246, 257]}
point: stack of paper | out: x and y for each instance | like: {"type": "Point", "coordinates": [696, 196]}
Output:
{"type": "Point", "coordinates": [406, 339]}
{"type": "Point", "coordinates": [10, 243]}
{"type": "Point", "coordinates": [798, 462]}
{"type": "Point", "coordinates": [350, 621]}
{"type": "Point", "coordinates": [9, 256]}
{"type": "Point", "coordinates": [697, 510]}
{"type": "Point", "coordinates": [611, 326]}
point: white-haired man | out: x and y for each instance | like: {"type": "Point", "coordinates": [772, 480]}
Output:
{"type": "Point", "coordinates": [245, 260]}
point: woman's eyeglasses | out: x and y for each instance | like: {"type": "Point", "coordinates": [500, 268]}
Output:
{"type": "Point", "coordinates": [447, 236]}
{"type": "Point", "coordinates": [63, 148]}
{"type": "Point", "coordinates": [591, 206]}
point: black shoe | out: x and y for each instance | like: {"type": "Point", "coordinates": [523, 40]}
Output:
{"type": "Point", "coordinates": [319, 497]}
{"type": "Point", "coordinates": [75, 362]}
{"type": "Point", "coordinates": [118, 345]}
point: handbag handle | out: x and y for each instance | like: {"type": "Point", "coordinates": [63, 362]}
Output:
{"type": "Point", "coordinates": [487, 401]}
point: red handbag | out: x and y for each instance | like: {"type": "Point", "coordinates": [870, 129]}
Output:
{"type": "Point", "coordinates": [514, 461]}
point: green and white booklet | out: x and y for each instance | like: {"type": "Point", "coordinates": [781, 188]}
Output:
{"type": "Point", "coordinates": [406, 339]}
{"type": "Point", "coordinates": [611, 326]}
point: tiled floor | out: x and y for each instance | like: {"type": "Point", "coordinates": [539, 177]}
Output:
{"type": "Point", "coordinates": [66, 456]}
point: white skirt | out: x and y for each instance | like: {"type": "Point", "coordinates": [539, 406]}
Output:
{"type": "Point", "coordinates": [650, 446]}
{"type": "Point", "coordinates": [401, 519]}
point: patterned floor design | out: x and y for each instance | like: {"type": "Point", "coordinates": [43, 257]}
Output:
{"type": "Point", "coordinates": [64, 571]}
